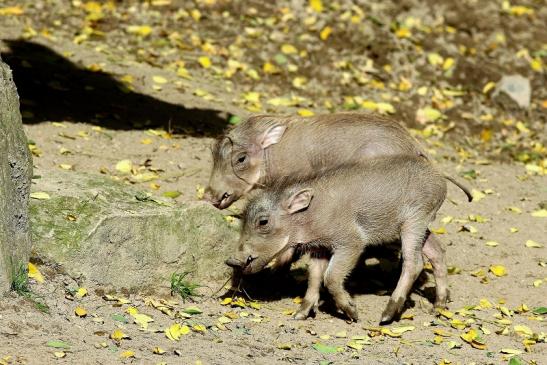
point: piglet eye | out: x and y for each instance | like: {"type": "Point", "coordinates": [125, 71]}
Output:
{"type": "Point", "coordinates": [242, 159]}
{"type": "Point", "coordinates": [263, 221]}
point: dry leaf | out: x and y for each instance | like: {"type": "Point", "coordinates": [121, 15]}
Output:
{"type": "Point", "coordinates": [498, 270]}
{"type": "Point", "coordinates": [34, 273]}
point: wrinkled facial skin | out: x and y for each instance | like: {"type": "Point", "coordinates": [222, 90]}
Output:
{"type": "Point", "coordinates": [266, 231]}
{"type": "Point", "coordinates": [236, 170]}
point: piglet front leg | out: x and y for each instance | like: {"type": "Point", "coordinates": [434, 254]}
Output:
{"type": "Point", "coordinates": [340, 266]}
{"type": "Point", "coordinates": [316, 269]}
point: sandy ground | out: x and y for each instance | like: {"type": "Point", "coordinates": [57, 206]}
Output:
{"type": "Point", "coordinates": [264, 335]}
{"type": "Point", "coordinates": [83, 112]}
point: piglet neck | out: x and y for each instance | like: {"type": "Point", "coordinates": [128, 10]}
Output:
{"type": "Point", "coordinates": [266, 168]}
{"type": "Point", "coordinates": [302, 235]}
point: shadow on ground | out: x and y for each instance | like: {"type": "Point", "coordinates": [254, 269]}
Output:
{"type": "Point", "coordinates": [377, 274]}
{"type": "Point", "coordinates": [52, 88]}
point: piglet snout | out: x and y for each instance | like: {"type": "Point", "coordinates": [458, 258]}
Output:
{"type": "Point", "coordinates": [235, 263]}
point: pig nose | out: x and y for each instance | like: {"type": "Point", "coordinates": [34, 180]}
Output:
{"type": "Point", "coordinates": [224, 200]}
{"type": "Point", "coordinates": [236, 264]}
{"type": "Point", "coordinates": [210, 197]}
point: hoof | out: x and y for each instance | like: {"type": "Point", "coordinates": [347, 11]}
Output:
{"type": "Point", "coordinates": [351, 311]}
{"type": "Point", "coordinates": [392, 309]}
{"type": "Point", "coordinates": [300, 316]}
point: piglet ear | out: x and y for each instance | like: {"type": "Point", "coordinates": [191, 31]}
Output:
{"type": "Point", "coordinates": [299, 201]}
{"type": "Point", "coordinates": [272, 135]}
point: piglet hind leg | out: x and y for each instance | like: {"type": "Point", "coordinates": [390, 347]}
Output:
{"type": "Point", "coordinates": [435, 253]}
{"type": "Point", "coordinates": [412, 239]}
{"type": "Point", "coordinates": [316, 269]}
{"type": "Point", "coordinates": [340, 266]}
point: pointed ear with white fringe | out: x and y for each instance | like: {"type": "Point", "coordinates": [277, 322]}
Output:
{"type": "Point", "coordinates": [299, 201]}
{"type": "Point", "coordinates": [272, 135]}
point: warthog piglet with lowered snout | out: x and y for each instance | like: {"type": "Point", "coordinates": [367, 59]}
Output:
{"type": "Point", "coordinates": [337, 214]}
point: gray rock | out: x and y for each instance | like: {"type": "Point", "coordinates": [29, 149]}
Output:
{"type": "Point", "coordinates": [97, 229]}
{"type": "Point", "coordinates": [15, 179]}
{"type": "Point", "coordinates": [517, 88]}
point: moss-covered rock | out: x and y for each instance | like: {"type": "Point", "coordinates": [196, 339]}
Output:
{"type": "Point", "coordinates": [97, 228]}
{"type": "Point", "coordinates": [15, 178]}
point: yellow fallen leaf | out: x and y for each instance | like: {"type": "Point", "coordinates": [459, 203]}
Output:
{"type": "Point", "coordinates": [523, 330]}
{"type": "Point", "coordinates": [288, 49]}
{"type": "Point", "coordinates": [477, 195]}
{"type": "Point", "coordinates": [385, 108]}
{"type": "Point", "coordinates": [533, 244]}
{"type": "Point", "coordinates": [316, 5]}
{"type": "Point", "coordinates": [284, 346]}
{"type": "Point", "coordinates": [40, 195]}
{"type": "Point", "coordinates": [142, 319]}
{"type": "Point", "coordinates": [82, 292]}
{"type": "Point", "coordinates": [34, 273]}
{"type": "Point", "coordinates": [270, 68]}
{"type": "Point", "coordinates": [305, 113]}
{"type": "Point", "coordinates": [428, 114]}
{"type": "Point", "coordinates": [196, 14]}
{"type": "Point", "coordinates": [542, 213]}
{"type": "Point", "coordinates": [514, 210]}
{"type": "Point", "coordinates": [226, 301]}
{"type": "Point", "coordinates": [520, 10]}
{"type": "Point", "coordinates": [224, 320]}
{"type": "Point", "coordinates": [124, 166]}
{"type": "Point", "coordinates": [341, 334]}
{"type": "Point", "coordinates": [199, 328]}
{"type": "Point", "coordinates": [158, 350]}
{"type": "Point", "coordinates": [441, 230]}
{"type": "Point", "coordinates": [205, 62]}
{"type": "Point", "coordinates": [445, 313]}
{"type": "Point", "coordinates": [441, 332]}
{"type": "Point", "coordinates": [65, 166]}
{"type": "Point", "coordinates": [513, 229]}
{"type": "Point", "coordinates": [536, 64]}
{"type": "Point", "coordinates": [472, 338]}
{"type": "Point", "coordinates": [403, 329]}
{"type": "Point", "coordinates": [485, 303]}
{"type": "Point", "coordinates": [80, 311]}
{"type": "Point", "coordinates": [141, 30]}
{"type": "Point", "coordinates": [489, 86]}
{"type": "Point", "coordinates": [498, 270]}
{"type": "Point", "coordinates": [403, 33]}
{"type": "Point", "coordinates": [183, 72]}
{"type": "Point", "coordinates": [396, 331]}
{"type": "Point", "coordinates": [57, 354]}
{"type": "Point", "coordinates": [469, 336]}
{"type": "Point", "coordinates": [12, 10]}
{"type": "Point", "coordinates": [159, 79]}
{"type": "Point", "coordinates": [127, 354]}
{"type": "Point", "coordinates": [434, 59]}
{"type": "Point", "coordinates": [325, 33]}
{"type": "Point", "coordinates": [492, 243]}
{"type": "Point", "coordinates": [299, 82]}
{"type": "Point", "coordinates": [176, 331]}
{"type": "Point", "coordinates": [252, 97]}
{"type": "Point", "coordinates": [448, 63]}
{"type": "Point", "coordinates": [457, 324]}
{"type": "Point", "coordinates": [118, 335]}
{"type": "Point", "coordinates": [447, 219]}
{"type": "Point", "coordinates": [147, 141]}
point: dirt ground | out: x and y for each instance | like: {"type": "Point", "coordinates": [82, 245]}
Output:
{"type": "Point", "coordinates": [96, 92]}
